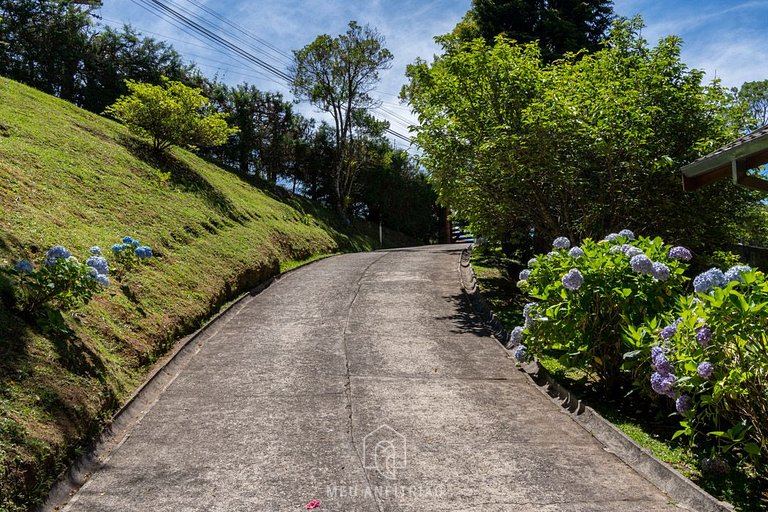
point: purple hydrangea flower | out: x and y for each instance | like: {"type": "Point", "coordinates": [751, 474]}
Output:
{"type": "Point", "coordinates": [627, 233]}
{"type": "Point", "coordinates": [663, 384]}
{"type": "Point", "coordinates": [516, 336]}
{"type": "Point", "coordinates": [532, 262]}
{"type": "Point", "coordinates": [576, 252]}
{"type": "Point", "coordinates": [551, 254]}
{"type": "Point", "coordinates": [734, 273]}
{"type": "Point", "coordinates": [561, 242]}
{"type": "Point", "coordinates": [99, 263]}
{"type": "Point", "coordinates": [656, 352]}
{"type": "Point", "coordinates": [573, 280]}
{"type": "Point", "coordinates": [705, 369]}
{"type": "Point", "coordinates": [683, 404]}
{"type": "Point", "coordinates": [663, 366]}
{"type": "Point", "coordinates": [95, 250]}
{"type": "Point", "coordinates": [24, 266]}
{"type": "Point", "coordinates": [611, 237]}
{"type": "Point", "coordinates": [524, 275]}
{"type": "Point", "coordinates": [521, 354]}
{"type": "Point", "coordinates": [615, 249]}
{"type": "Point", "coordinates": [56, 253]}
{"type": "Point", "coordinates": [669, 331]}
{"type": "Point", "coordinates": [704, 335]}
{"type": "Point", "coordinates": [680, 253]}
{"type": "Point", "coordinates": [660, 271]}
{"type": "Point", "coordinates": [102, 280]}
{"type": "Point", "coordinates": [641, 264]}
{"type": "Point", "coordinates": [712, 278]}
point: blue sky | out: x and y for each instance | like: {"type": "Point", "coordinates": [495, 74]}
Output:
{"type": "Point", "coordinates": [727, 39]}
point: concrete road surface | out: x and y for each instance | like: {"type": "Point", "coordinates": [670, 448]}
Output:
{"type": "Point", "coordinates": [361, 382]}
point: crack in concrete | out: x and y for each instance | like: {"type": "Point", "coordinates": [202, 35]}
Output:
{"type": "Point", "coordinates": [348, 377]}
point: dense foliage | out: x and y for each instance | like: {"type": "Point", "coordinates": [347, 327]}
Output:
{"type": "Point", "coordinates": [524, 149]}
{"type": "Point", "coordinates": [559, 26]}
{"type": "Point", "coordinates": [170, 114]}
{"type": "Point", "coordinates": [608, 307]}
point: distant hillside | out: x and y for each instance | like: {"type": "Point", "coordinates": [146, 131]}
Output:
{"type": "Point", "coordinates": [72, 178]}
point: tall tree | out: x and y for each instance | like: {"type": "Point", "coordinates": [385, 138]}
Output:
{"type": "Point", "coordinates": [45, 44]}
{"type": "Point", "coordinates": [560, 26]}
{"type": "Point", "coordinates": [337, 75]}
{"type": "Point", "coordinates": [755, 97]}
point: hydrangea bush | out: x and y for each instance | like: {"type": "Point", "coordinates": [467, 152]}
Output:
{"type": "Point", "coordinates": [585, 297]}
{"type": "Point", "coordinates": [129, 253]}
{"type": "Point", "coordinates": [60, 282]}
{"type": "Point", "coordinates": [713, 363]}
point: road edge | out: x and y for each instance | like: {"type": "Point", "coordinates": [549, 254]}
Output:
{"type": "Point", "coordinates": [657, 472]}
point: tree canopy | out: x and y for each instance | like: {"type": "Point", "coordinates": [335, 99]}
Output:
{"type": "Point", "coordinates": [337, 75]}
{"type": "Point", "coordinates": [169, 114]}
{"type": "Point", "coordinates": [560, 26]}
{"type": "Point", "coordinates": [754, 95]}
{"type": "Point", "coordinates": [579, 147]}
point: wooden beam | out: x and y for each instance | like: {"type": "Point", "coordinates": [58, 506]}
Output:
{"type": "Point", "coordinates": [739, 170]}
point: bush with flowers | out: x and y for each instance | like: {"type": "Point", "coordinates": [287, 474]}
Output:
{"type": "Point", "coordinates": [713, 363]}
{"type": "Point", "coordinates": [60, 282]}
{"type": "Point", "coordinates": [129, 253]}
{"type": "Point", "coordinates": [585, 297]}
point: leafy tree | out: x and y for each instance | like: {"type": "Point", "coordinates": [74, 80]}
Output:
{"type": "Point", "coordinates": [580, 147]}
{"type": "Point", "coordinates": [337, 75]}
{"type": "Point", "coordinates": [45, 43]}
{"type": "Point", "coordinates": [171, 113]}
{"type": "Point", "coordinates": [114, 56]}
{"type": "Point", "coordinates": [560, 26]}
{"type": "Point", "coordinates": [755, 96]}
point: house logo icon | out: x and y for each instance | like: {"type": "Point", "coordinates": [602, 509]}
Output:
{"type": "Point", "coordinates": [384, 450]}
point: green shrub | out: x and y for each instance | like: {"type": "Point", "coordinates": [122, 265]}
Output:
{"type": "Point", "coordinates": [715, 361]}
{"type": "Point", "coordinates": [587, 297]}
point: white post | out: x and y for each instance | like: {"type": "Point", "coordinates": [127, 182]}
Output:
{"type": "Point", "coordinates": [381, 234]}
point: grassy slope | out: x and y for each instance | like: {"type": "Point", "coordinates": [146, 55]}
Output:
{"type": "Point", "coordinates": [73, 178]}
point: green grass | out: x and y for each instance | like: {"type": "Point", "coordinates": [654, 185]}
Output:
{"type": "Point", "coordinates": [651, 431]}
{"type": "Point", "coordinates": [73, 178]}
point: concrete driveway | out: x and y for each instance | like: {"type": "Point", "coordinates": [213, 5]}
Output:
{"type": "Point", "coordinates": [362, 382]}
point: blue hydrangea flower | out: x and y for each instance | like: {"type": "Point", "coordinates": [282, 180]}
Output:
{"type": "Point", "coordinates": [117, 248]}
{"type": "Point", "coordinates": [663, 384]}
{"type": "Point", "coordinates": [705, 369]}
{"type": "Point", "coordinates": [528, 315]}
{"type": "Point", "coordinates": [102, 280]}
{"type": "Point", "coordinates": [630, 251]}
{"type": "Point", "coordinates": [127, 240]}
{"type": "Point", "coordinates": [516, 336]}
{"type": "Point", "coordinates": [734, 273]}
{"type": "Point", "coordinates": [143, 252]}
{"type": "Point", "coordinates": [576, 252]}
{"type": "Point", "coordinates": [136, 243]}
{"type": "Point", "coordinates": [641, 264]}
{"type": "Point", "coordinates": [532, 262]}
{"type": "Point", "coordinates": [660, 271]}
{"type": "Point", "coordinates": [703, 335]}
{"type": "Point", "coordinates": [616, 249]}
{"type": "Point", "coordinates": [24, 266]}
{"type": "Point", "coordinates": [683, 404]}
{"type": "Point", "coordinates": [99, 263]}
{"type": "Point", "coordinates": [573, 280]}
{"type": "Point", "coordinates": [627, 233]}
{"type": "Point", "coordinates": [521, 354]}
{"type": "Point", "coordinates": [56, 253]}
{"type": "Point", "coordinates": [561, 242]}
{"type": "Point", "coordinates": [524, 275]}
{"type": "Point", "coordinates": [680, 253]}
{"type": "Point", "coordinates": [611, 237]}
{"type": "Point", "coordinates": [95, 250]}
{"type": "Point", "coordinates": [706, 281]}
{"type": "Point", "coordinates": [92, 273]}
